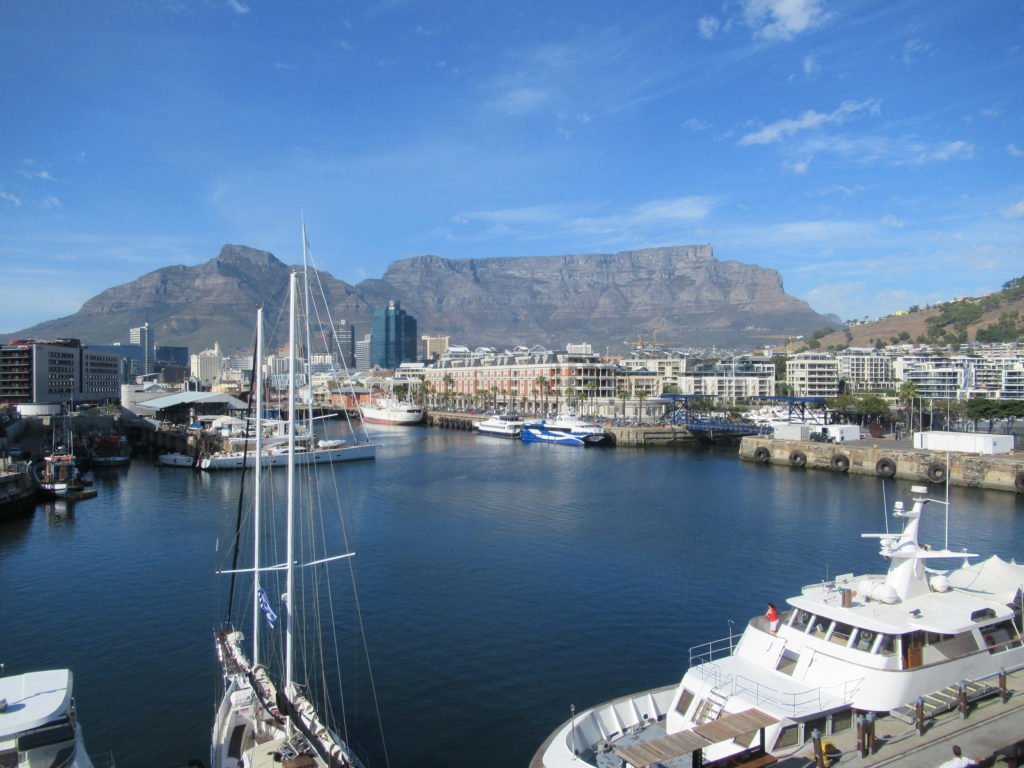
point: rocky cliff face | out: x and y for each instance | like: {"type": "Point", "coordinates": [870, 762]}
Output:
{"type": "Point", "coordinates": [683, 293]}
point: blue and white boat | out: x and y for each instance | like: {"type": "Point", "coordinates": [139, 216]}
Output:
{"type": "Point", "coordinates": [506, 425]}
{"type": "Point", "coordinates": [566, 429]}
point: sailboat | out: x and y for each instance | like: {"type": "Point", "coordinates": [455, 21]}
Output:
{"type": "Point", "coordinates": [308, 448]}
{"type": "Point", "coordinates": [258, 721]}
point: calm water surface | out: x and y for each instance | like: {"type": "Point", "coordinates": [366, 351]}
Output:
{"type": "Point", "coordinates": [500, 583]}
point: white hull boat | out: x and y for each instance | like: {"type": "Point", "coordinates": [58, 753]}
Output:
{"type": "Point", "coordinates": [870, 643]}
{"type": "Point", "coordinates": [504, 425]}
{"type": "Point", "coordinates": [39, 726]}
{"type": "Point", "coordinates": [389, 410]}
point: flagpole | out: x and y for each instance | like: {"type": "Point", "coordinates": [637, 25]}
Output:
{"type": "Point", "coordinates": [258, 383]}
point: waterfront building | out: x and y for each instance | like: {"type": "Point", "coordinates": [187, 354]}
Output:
{"type": "Point", "coordinates": [143, 336]}
{"type": "Point", "coordinates": [393, 336]}
{"type": "Point", "coordinates": [434, 347]}
{"type": "Point", "coordinates": [529, 380]}
{"type": "Point", "coordinates": [866, 369]}
{"type": "Point", "coordinates": [169, 355]}
{"type": "Point", "coordinates": [57, 371]}
{"type": "Point", "coordinates": [813, 374]}
{"type": "Point", "coordinates": [206, 366]}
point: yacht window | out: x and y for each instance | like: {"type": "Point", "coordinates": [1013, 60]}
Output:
{"type": "Point", "coordinates": [1001, 636]}
{"type": "Point", "coordinates": [684, 702]}
{"type": "Point", "coordinates": [818, 626]}
{"type": "Point", "coordinates": [818, 723]}
{"type": "Point", "coordinates": [841, 633]}
{"type": "Point", "coordinates": [787, 736]}
{"type": "Point", "coordinates": [56, 732]}
{"type": "Point", "coordinates": [886, 645]}
{"type": "Point", "coordinates": [841, 721]}
{"type": "Point", "coordinates": [982, 613]}
{"type": "Point", "coordinates": [865, 640]}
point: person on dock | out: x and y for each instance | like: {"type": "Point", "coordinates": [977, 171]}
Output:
{"type": "Point", "coordinates": [958, 760]}
{"type": "Point", "coordinates": [772, 615]}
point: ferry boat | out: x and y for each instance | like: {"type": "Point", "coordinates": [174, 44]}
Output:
{"type": "Point", "coordinates": [391, 410]}
{"type": "Point", "coordinates": [853, 644]}
{"type": "Point", "coordinates": [502, 425]}
{"type": "Point", "coordinates": [566, 429]}
{"type": "Point", "coordinates": [38, 723]}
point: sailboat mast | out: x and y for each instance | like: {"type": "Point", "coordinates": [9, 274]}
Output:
{"type": "Point", "coordinates": [290, 557]}
{"type": "Point", "coordinates": [309, 341]}
{"type": "Point", "coordinates": [258, 383]}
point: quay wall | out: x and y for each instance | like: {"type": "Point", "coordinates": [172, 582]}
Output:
{"type": "Point", "coordinates": [875, 457]}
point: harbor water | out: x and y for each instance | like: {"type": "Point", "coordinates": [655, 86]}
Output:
{"type": "Point", "coordinates": [500, 583]}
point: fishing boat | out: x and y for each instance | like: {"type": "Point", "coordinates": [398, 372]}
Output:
{"type": "Point", "coordinates": [392, 410]}
{"type": "Point", "coordinates": [109, 450]}
{"type": "Point", "coordinates": [506, 425]}
{"type": "Point", "coordinates": [265, 716]}
{"type": "Point", "coordinates": [566, 429]}
{"type": "Point", "coordinates": [872, 643]}
{"type": "Point", "coordinates": [39, 726]}
{"type": "Point", "coordinates": [57, 475]}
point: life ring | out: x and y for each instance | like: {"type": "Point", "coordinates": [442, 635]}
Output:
{"type": "Point", "coordinates": [885, 467]}
{"type": "Point", "coordinates": [936, 472]}
{"type": "Point", "coordinates": [1018, 481]}
{"type": "Point", "coordinates": [762, 455]}
{"type": "Point", "coordinates": [840, 462]}
{"type": "Point", "coordinates": [867, 635]}
{"type": "Point", "coordinates": [798, 459]}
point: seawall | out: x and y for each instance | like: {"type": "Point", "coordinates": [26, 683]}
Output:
{"type": "Point", "coordinates": [882, 459]}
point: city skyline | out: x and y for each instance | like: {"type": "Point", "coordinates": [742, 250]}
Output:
{"type": "Point", "coordinates": [870, 152]}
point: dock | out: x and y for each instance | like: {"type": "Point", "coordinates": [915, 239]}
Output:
{"type": "Point", "coordinates": [890, 459]}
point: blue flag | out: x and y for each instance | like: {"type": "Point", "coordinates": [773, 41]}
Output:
{"type": "Point", "coordinates": [261, 596]}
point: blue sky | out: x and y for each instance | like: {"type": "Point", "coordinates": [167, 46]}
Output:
{"type": "Point", "coordinates": [872, 152]}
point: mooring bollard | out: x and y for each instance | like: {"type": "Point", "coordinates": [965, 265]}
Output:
{"type": "Point", "coordinates": [870, 728]}
{"type": "Point", "coordinates": [1004, 694]}
{"type": "Point", "coordinates": [861, 736]}
{"type": "Point", "coordinates": [919, 715]}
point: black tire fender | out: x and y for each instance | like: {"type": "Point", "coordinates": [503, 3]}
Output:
{"type": "Point", "coordinates": [1018, 481]}
{"type": "Point", "coordinates": [762, 455]}
{"type": "Point", "coordinates": [885, 467]}
{"type": "Point", "coordinates": [840, 462]}
{"type": "Point", "coordinates": [936, 472]}
{"type": "Point", "coordinates": [798, 459]}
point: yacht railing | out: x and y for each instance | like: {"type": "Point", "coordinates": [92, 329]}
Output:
{"type": "Point", "coordinates": [792, 704]}
{"type": "Point", "coordinates": [705, 653]}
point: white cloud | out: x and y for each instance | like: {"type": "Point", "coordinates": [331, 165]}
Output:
{"type": "Point", "coordinates": [238, 7]}
{"type": "Point", "coordinates": [708, 26]}
{"type": "Point", "coordinates": [784, 19]}
{"type": "Point", "coordinates": [696, 124]}
{"type": "Point", "coordinates": [811, 64]}
{"type": "Point", "coordinates": [1015, 211]}
{"type": "Point", "coordinates": [798, 167]}
{"type": "Point", "coordinates": [51, 201]}
{"type": "Point", "coordinates": [41, 175]}
{"type": "Point", "coordinates": [10, 199]}
{"type": "Point", "coordinates": [808, 120]}
{"type": "Point", "coordinates": [1014, 151]}
{"type": "Point", "coordinates": [914, 49]}
{"type": "Point", "coordinates": [951, 151]}
{"type": "Point", "coordinates": [892, 221]}
{"type": "Point", "coordinates": [521, 101]}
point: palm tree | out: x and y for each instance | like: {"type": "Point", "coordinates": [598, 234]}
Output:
{"type": "Point", "coordinates": [907, 393]}
{"type": "Point", "coordinates": [623, 396]}
{"type": "Point", "coordinates": [641, 396]}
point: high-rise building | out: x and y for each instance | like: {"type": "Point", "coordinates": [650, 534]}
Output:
{"type": "Point", "coordinates": [434, 347]}
{"type": "Point", "coordinates": [143, 336]}
{"type": "Point", "coordinates": [393, 338]}
{"type": "Point", "coordinates": [364, 358]}
{"type": "Point", "coordinates": [55, 371]}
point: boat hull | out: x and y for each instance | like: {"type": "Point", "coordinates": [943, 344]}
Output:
{"type": "Point", "coordinates": [362, 452]}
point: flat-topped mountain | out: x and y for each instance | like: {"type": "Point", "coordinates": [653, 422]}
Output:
{"type": "Point", "coordinates": [682, 293]}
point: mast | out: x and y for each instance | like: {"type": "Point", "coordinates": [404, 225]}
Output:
{"type": "Point", "coordinates": [289, 625]}
{"type": "Point", "coordinates": [258, 383]}
{"type": "Point", "coordinates": [309, 341]}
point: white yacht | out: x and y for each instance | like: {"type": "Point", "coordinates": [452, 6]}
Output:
{"type": "Point", "coordinates": [38, 723]}
{"type": "Point", "coordinates": [870, 643]}
{"type": "Point", "coordinates": [323, 452]}
{"type": "Point", "coordinates": [502, 425]}
{"type": "Point", "coordinates": [391, 410]}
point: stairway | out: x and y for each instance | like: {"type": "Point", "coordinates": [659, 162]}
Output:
{"type": "Point", "coordinates": [711, 708]}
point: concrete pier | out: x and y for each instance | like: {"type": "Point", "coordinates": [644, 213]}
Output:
{"type": "Point", "coordinates": [890, 458]}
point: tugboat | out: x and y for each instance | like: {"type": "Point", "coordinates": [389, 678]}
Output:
{"type": "Point", "coordinates": [853, 644]}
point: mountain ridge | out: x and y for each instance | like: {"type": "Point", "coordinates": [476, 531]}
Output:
{"type": "Point", "coordinates": [680, 292]}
